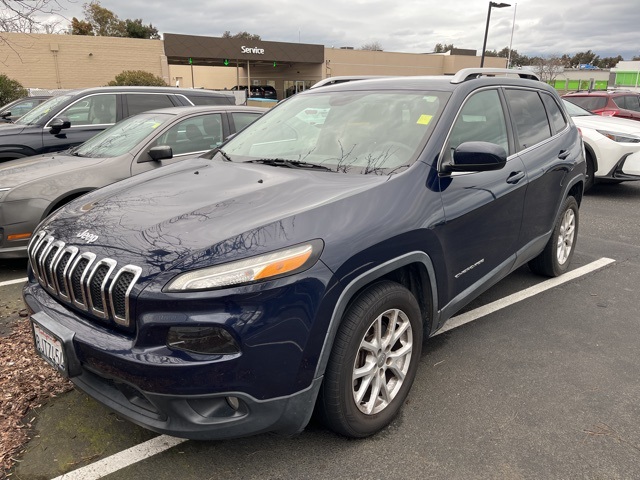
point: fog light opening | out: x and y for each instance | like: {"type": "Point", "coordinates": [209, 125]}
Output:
{"type": "Point", "coordinates": [202, 340]}
{"type": "Point", "coordinates": [233, 402]}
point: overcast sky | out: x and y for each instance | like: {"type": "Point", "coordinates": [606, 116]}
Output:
{"type": "Point", "coordinates": [542, 27]}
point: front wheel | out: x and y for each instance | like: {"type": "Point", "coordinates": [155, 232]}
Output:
{"type": "Point", "coordinates": [373, 362]}
{"type": "Point", "coordinates": [556, 256]}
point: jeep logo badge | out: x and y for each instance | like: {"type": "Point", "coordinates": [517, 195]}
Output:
{"type": "Point", "coordinates": [87, 236]}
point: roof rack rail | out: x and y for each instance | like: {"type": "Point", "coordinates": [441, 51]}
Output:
{"type": "Point", "coordinates": [471, 73]}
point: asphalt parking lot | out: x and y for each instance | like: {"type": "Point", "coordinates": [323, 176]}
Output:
{"type": "Point", "coordinates": [543, 388]}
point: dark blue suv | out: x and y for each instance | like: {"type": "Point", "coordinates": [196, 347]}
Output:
{"type": "Point", "coordinates": [301, 264]}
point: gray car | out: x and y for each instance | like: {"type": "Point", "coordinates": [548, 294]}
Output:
{"type": "Point", "coordinates": [31, 188]}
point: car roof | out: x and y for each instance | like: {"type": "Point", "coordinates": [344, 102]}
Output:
{"type": "Point", "coordinates": [187, 110]}
{"type": "Point", "coordinates": [184, 91]}
{"type": "Point", "coordinates": [488, 76]}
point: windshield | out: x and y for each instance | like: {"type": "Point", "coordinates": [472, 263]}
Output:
{"type": "Point", "coordinates": [122, 137]}
{"type": "Point", "coordinates": [365, 132]}
{"type": "Point", "coordinates": [574, 110]}
{"type": "Point", "coordinates": [41, 111]}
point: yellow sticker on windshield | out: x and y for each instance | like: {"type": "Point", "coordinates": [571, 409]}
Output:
{"type": "Point", "coordinates": [155, 125]}
{"type": "Point", "coordinates": [424, 119]}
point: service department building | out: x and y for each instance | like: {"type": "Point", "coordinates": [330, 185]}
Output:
{"type": "Point", "coordinates": [74, 61]}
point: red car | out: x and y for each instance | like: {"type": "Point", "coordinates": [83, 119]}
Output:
{"type": "Point", "coordinates": [623, 104]}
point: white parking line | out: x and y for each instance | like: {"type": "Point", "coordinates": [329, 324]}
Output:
{"type": "Point", "coordinates": [159, 444]}
{"type": "Point", "coordinates": [472, 315]}
{"type": "Point", "coordinates": [123, 459]}
{"type": "Point", "coordinates": [12, 282]}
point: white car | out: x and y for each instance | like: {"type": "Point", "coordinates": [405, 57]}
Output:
{"type": "Point", "coordinates": [612, 146]}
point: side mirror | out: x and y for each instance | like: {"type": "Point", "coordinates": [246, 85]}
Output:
{"type": "Point", "coordinates": [477, 157]}
{"type": "Point", "coordinates": [59, 123]}
{"type": "Point", "coordinates": [160, 152]}
{"type": "Point", "coordinates": [5, 114]}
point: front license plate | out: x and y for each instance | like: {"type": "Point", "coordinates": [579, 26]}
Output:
{"type": "Point", "coordinates": [50, 348]}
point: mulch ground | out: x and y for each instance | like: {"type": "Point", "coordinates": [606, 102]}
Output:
{"type": "Point", "coordinates": [26, 382]}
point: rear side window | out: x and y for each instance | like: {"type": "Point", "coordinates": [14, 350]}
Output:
{"type": "Point", "coordinates": [630, 102]}
{"type": "Point", "coordinates": [555, 114]}
{"type": "Point", "coordinates": [211, 99]}
{"type": "Point", "coordinates": [589, 103]}
{"type": "Point", "coordinates": [141, 102]}
{"type": "Point", "coordinates": [529, 117]}
{"type": "Point", "coordinates": [242, 119]}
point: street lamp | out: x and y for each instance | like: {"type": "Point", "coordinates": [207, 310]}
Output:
{"type": "Point", "coordinates": [486, 30]}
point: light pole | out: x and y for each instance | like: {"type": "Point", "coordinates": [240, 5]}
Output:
{"type": "Point", "coordinates": [486, 30]}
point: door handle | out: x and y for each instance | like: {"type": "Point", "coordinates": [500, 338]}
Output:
{"type": "Point", "coordinates": [563, 154]}
{"type": "Point", "coordinates": [515, 177]}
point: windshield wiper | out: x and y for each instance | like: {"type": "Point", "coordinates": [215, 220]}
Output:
{"type": "Point", "coordinates": [212, 153]}
{"type": "Point", "coordinates": [281, 162]}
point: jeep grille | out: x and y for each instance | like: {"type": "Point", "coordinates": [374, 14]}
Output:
{"type": "Point", "coordinates": [81, 279]}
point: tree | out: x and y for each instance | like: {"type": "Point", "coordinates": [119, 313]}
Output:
{"type": "Point", "coordinates": [136, 29]}
{"type": "Point", "coordinates": [243, 35]}
{"type": "Point", "coordinates": [25, 16]}
{"type": "Point", "coordinates": [375, 46]}
{"type": "Point", "coordinates": [440, 48]}
{"type": "Point", "coordinates": [81, 27]}
{"type": "Point", "coordinates": [10, 90]}
{"type": "Point", "coordinates": [103, 22]}
{"type": "Point", "coordinates": [584, 58]}
{"type": "Point", "coordinates": [137, 78]}
{"type": "Point", "coordinates": [547, 68]}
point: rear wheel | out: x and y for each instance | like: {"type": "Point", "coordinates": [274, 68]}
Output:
{"type": "Point", "coordinates": [556, 257]}
{"type": "Point", "coordinates": [373, 362]}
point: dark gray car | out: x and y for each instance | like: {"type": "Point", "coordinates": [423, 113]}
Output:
{"type": "Point", "coordinates": [31, 188]}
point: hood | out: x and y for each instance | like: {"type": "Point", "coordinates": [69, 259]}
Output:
{"type": "Point", "coordinates": [11, 128]}
{"type": "Point", "coordinates": [598, 122]}
{"type": "Point", "coordinates": [25, 170]}
{"type": "Point", "coordinates": [174, 214]}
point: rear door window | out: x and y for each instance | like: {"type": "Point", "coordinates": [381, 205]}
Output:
{"type": "Point", "coordinates": [242, 119]}
{"type": "Point", "coordinates": [589, 103]}
{"type": "Point", "coordinates": [555, 114]}
{"type": "Point", "coordinates": [211, 99]}
{"type": "Point", "coordinates": [631, 103]}
{"type": "Point", "coordinates": [142, 102]}
{"type": "Point", "coordinates": [529, 117]}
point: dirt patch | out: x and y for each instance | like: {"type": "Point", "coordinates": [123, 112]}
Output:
{"type": "Point", "coordinates": [26, 382]}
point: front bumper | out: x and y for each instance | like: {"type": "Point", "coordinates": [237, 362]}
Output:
{"type": "Point", "coordinates": [197, 398]}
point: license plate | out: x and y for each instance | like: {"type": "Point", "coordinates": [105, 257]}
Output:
{"type": "Point", "coordinates": [50, 348]}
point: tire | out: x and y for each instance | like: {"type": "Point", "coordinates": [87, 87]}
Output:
{"type": "Point", "coordinates": [556, 256]}
{"type": "Point", "coordinates": [590, 178]}
{"type": "Point", "coordinates": [369, 374]}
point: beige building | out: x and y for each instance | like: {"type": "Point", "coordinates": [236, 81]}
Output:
{"type": "Point", "coordinates": [69, 61]}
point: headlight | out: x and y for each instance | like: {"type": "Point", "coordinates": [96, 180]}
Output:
{"type": "Point", "coordinates": [620, 137]}
{"type": "Point", "coordinates": [269, 266]}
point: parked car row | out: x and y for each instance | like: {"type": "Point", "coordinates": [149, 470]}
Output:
{"type": "Point", "coordinates": [301, 263]}
{"type": "Point", "coordinates": [31, 188]}
{"type": "Point", "coordinates": [68, 120]}
{"type": "Point", "coordinates": [12, 111]}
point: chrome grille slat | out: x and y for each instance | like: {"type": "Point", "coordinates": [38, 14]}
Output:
{"type": "Point", "coordinates": [61, 267]}
{"type": "Point", "coordinates": [120, 291]}
{"type": "Point", "coordinates": [81, 279]}
{"type": "Point", "coordinates": [96, 287]}
{"type": "Point", "coordinates": [77, 276]}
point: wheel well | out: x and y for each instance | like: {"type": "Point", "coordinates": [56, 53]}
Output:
{"type": "Point", "coordinates": [62, 202]}
{"type": "Point", "coordinates": [591, 156]}
{"type": "Point", "coordinates": [576, 192]}
{"type": "Point", "coordinates": [415, 278]}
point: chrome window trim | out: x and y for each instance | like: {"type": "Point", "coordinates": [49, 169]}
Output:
{"type": "Point", "coordinates": [136, 271]}
{"type": "Point", "coordinates": [92, 308]}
